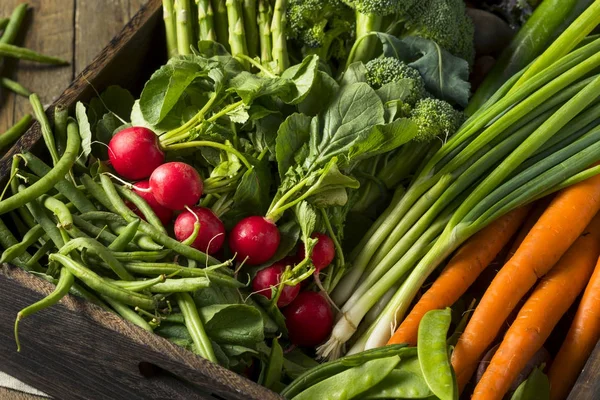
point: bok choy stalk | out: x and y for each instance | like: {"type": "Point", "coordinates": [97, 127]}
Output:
{"type": "Point", "coordinates": [485, 144]}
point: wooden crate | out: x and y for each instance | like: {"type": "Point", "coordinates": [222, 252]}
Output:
{"type": "Point", "coordinates": [75, 350]}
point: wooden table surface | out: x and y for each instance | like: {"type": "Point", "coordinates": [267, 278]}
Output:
{"type": "Point", "coordinates": [75, 30]}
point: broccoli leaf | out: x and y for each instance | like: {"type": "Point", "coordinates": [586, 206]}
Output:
{"type": "Point", "coordinates": [347, 120]}
{"type": "Point", "coordinates": [293, 133]}
{"type": "Point", "coordinates": [445, 76]}
{"type": "Point", "coordinates": [356, 72]}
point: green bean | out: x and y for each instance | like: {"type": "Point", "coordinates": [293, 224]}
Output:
{"type": "Point", "coordinates": [352, 382]}
{"type": "Point", "coordinates": [42, 218]}
{"type": "Point", "coordinates": [14, 187]}
{"type": "Point", "coordinates": [97, 192]}
{"type": "Point", "coordinates": [128, 314]}
{"type": "Point", "coordinates": [125, 237]}
{"type": "Point", "coordinates": [59, 209]}
{"type": "Point", "coordinates": [98, 284]}
{"type": "Point", "coordinates": [331, 368]}
{"type": "Point", "coordinates": [143, 206]}
{"type": "Point", "coordinates": [16, 250]}
{"type": "Point", "coordinates": [41, 252]}
{"type": "Point", "coordinates": [404, 382]}
{"type": "Point", "coordinates": [181, 285]}
{"type": "Point", "coordinates": [65, 282]}
{"type": "Point", "coordinates": [22, 229]}
{"type": "Point", "coordinates": [45, 184]}
{"type": "Point", "coordinates": [151, 231]}
{"type": "Point", "coordinates": [98, 233]}
{"type": "Point", "coordinates": [61, 115]}
{"type": "Point", "coordinates": [16, 19]}
{"type": "Point", "coordinates": [175, 317]}
{"type": "Point", "coordinates": [14, 86]}
{"type": "Point", "coordinates": [433, 354]}
{"type": "Point", "coordinates": [145, 242]}
{"type": "Point", "coordinates": [104, 216]}
{"type": "Point", "coordinates": [3, 23]}
{"type": "Point", "coordinates": [22, 53]}
{"type": "Point", "coordinates": [195, 327]}
{"type": "Point", "coordinates": [78, 291]}
{"type": "Point", "coordinates": [101, 251]}
{"type": "Point", "coordinates": [7, 239]}
{"type": "Point", "coordinates": [47, 134]}
{"type": "Point", "coordinates": [66, 188]}
{"type": "Point", "coordinates": [14, 133]}
{"type": "Point", "coordinates": [138, 286]}
{"type": "Point", "coordinates": [141, 255]}
{"type": "Point", "coordinates": [152, 269]}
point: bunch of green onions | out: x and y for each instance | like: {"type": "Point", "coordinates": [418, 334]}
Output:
{"type": "Point", "coordinates": [539, 133]}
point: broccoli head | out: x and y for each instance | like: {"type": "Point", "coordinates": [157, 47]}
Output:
{"type": "Point", "coordinates": [322, 27]}
{"type": "Point", "coordinates": [389, 69]}
{"type": "Point", "coordinates": [443, 21]}
{"type": "Point", "coordinates": [435, 118]}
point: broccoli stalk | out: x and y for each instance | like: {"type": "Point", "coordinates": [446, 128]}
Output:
{"type": "Point", "coordinates": [237, 34]}
{"type": "Point", "coordinates": [265, 15]}
{"type": "Point", "coordinates": [251, 27]}
{"type": "Point", "coordinates": [221, 24]}
{"type": "Point", "coordinates": [205, 20]}
{"type": "Point", "coordinates": [280, 54]}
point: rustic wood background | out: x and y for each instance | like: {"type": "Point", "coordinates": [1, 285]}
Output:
{"type": "Point", "coordinates": [75, 30]}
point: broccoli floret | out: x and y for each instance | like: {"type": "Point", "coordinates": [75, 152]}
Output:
{"type": "Point", "coordinates": [381, 7]}
{"type": "Point", "coordinates": [388, 69]}
{"type": "Point", "coordinates": [443, 21]}
{"type": "Point", "coordinates": [435, 118]}
{"type": "Point", "coordinates": [322, 27]}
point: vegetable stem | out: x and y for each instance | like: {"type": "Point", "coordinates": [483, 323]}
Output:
{"type": "Point", "coordinates": [221, 25]}
{"type": "Point", "coordinates": [278, 26]}
{"type": "Point", "coordinates": [237, 34]}
{"type": "Point", "coordinates": [250, 26]}
{"type": "Point", "coordinates": [206, 21]}
{"type": "Point", "coordinates": [183, 25]}
{"type": "Point", "coordinates": [265, 16]}
{"type": "Point", "coordinates": [170, 27]}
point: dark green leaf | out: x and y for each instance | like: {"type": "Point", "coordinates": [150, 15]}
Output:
{"type": "Point", "coordinates": [166, 86]}
{"type": "Point", "coordinates": [114, 99]}
{"type": "Point", "coordinates": [233, 324]}
{"type": "Point", "coordinates": [536, 387]}
{"type": "Point", "coordinates": [355, 73]}
{"type": "Point", "coordinates": [348, 120]}
{"type": "Point", "coordinates": [384, 138]}
{"type": "Point", "coordinates": [252, 196]}
{"type": "Point", "coordinates": [393, 47]}
{"type": "Point", "coordinates": [445, 76]}
{"type": "Point", "coordinates": [250, 86]}
{"type": "Point", "coordinates": [216, 294]}
{"type": "Point", "coordinates": [273, 311]}
{"type": "Point", "coordinates": [265, 132]}
{"type": "Point", "coordinates": [322, 92]}
{"type": "Point", "coordinates": [307, 219]}
{"type": "Point", "coordinates": [274, 366]}
{"type": "Point", "coordinates": [293, 133]}
{"type": "Point", "coordinates": [105, 130]}
{"type": "Point", "coordinates": [303, 76]}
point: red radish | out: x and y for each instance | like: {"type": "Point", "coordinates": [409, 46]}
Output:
{"type": "Point", "coordinates": [135, 152]}
{"type": "Point", "coordinates": [254, 239]}
{"type": "Point", "coordinates": [212, 231]}
{"type": "Point", "coordinates": [323, 252]}
{"type": "Point", "coordinates": [308, 319]}
{"type": "Point", "coordinates": [164, 214]}
{"type": "Point", "coordinates": [176, 185]}
{"type": "Point", "coordinates": [269, 277]}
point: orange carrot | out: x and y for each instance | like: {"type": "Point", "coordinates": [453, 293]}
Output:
{"type": "Point", "coordinates": [580, 341]}
{"type": "Point", "coordinates": [460, 273]}
{"type": "Point", "coordinates": [552, 297]}
{"type": "Point", "coordinates": [559, 226]}
{"type": "Point", "coordinates": [536, 212]}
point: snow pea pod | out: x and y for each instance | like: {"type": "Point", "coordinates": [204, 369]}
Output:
{"type": "Point", "coordinates": [331, 368]}
{"type": "Point", "coordinates": [352, 382]}
{"type": "Point", "coordinates": [98, 284]}
{"type": "Point", "coordinates": [404, 382]}
{"type": "Point", "coordinates": [433, 354]}
{"type": "Point", "coordinates": [44, 185]}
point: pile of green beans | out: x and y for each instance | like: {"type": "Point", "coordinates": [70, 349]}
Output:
{"type": "Point", "coordinates": [77, 232]}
